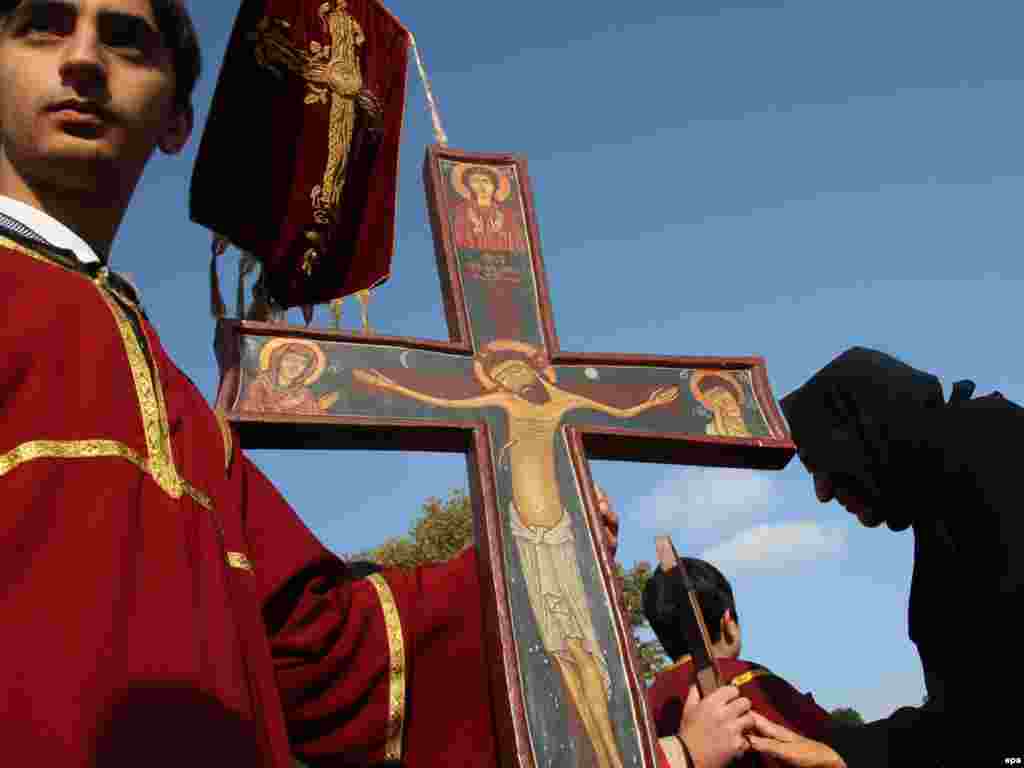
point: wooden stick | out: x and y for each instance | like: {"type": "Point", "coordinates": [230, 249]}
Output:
{"type": "Point", "coordinates": [696, 631]}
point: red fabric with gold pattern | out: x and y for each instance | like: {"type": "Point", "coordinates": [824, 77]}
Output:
{"type": "Point", "coordinates": [165, 606]}
{"type": "Point", "coordinates": [769, 695]}
{"type": "Point", "coordinates": [299, 158]}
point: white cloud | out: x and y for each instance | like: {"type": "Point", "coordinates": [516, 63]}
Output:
{"type": "Point", "coordinates": [775, 547]}
{"type": "Point", "coordinates": [705, 498]}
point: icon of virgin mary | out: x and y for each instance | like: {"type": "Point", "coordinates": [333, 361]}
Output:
{"type": "Point", "coordinates": [288, 370]}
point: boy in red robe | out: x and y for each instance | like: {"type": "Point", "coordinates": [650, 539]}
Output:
{"type": "Point", "coordinates": [162, 604]}
{"type": "Point", "coordinates": [667, 609]}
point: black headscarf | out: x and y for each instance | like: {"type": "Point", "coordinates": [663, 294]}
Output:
{"type": "Point", "coordinates": [870, 420]}
{"type": "Point", "coordinates": [952, 470]}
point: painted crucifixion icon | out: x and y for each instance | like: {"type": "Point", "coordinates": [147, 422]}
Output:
{"type": "Point", "coordinates": [527, 415]}
{"type": "Point", "coordinates": [522, 384]}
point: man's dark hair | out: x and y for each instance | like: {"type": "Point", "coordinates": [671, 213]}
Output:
{"type": "Point", "coordinates": [179, 37]}
{"type": "Point", "coordinates": [666, 606]}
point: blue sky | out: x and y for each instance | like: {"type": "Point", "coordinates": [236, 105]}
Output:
{"type": "Point", "coordinates": [783, 179]}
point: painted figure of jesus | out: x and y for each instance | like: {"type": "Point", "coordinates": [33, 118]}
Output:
{"type": "Point", "coordinates": [520, 381]}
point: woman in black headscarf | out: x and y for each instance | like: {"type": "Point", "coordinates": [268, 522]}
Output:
{"type": "Point", "coordinates": [878, 438]}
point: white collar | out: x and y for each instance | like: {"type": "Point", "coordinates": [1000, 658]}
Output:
{"type": "Point", "coordinates": [48, 228]}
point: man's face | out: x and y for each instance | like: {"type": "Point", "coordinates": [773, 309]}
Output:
{"type": "Point", "coordinates": [828, 486]}
{"type": "Point", "coordinates": [524, 382]}
{"type": "Point", "coordinates": [86, 90]}
{"type": "Point", "coordinates": [517, 378]}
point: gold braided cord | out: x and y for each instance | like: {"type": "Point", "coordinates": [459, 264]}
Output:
{"type": "Point", "coordinates": [396, 649]}
{"type": "Point", "coordinates": [435, 114]}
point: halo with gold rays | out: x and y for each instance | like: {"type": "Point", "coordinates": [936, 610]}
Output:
{"type": "Point", "coordinates": [274, 344]}
{"type": "Point", "coordinates": [508, 345]}
{"type": "Point", "coordinates": [698, 376]}
{"type": "Point", "coordinates": [459, 171]}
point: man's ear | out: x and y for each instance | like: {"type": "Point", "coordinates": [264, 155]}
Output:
{"type": "Point", "coordinates": [728, 627]}
{"type": "Point", "coordinates": [178, 131]}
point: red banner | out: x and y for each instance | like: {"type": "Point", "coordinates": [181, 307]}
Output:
{"type": "Point", "coordinates": [299, 158]}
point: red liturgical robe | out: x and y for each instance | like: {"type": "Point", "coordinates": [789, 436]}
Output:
{"type": "Point", "coordinates": [163, 605]}
{"type": "Point", "coordinates": [769, 695]}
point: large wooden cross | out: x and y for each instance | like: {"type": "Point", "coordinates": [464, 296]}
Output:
{"type": "Point", "coordinates": [527, 415]}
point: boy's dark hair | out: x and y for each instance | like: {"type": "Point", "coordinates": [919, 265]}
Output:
{"type": "Point", "coordinates": [360, 569]}
{"type": "Point", "coordinates": [180, 38]}
{"type": "Point", "coordinates": [666, 607]}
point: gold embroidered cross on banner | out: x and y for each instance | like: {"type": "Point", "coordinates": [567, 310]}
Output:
{"type": "Point", "coordinates": [333, 77]}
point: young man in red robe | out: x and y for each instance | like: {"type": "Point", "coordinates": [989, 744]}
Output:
{"type": "Point", "coordinates": [162, 604]}
{"type": "Point", "coordinates": [666, 608]}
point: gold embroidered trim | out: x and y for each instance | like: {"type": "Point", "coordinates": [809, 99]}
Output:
{"type": "Point", "coordinates": [151, 405]}
{"type": "Point", "coordinates": [332, 75]}
{"type": "Point", "coordinates": [160, 462]}
{"type": "Point", "coordinates": [87, 449]}
{"type": "Point", "coordinates": [396, 649]}
{"type": "Point", "coordinates": [74, 449]}
{"type": "Point", "coordinates": [741, 679]}
{"type": "Point", "coordinates": [239, 560]}
{"type": "Point", "coordinates": [19, 248]}
{"type": "Point", "coordinates": [225, 433]}
{"type": "Point", "coordinates": [198, 496]}
{"type": "Point", "coordinates": [746, 677]}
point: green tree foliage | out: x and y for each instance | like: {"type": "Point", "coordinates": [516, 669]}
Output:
{"type": "Point", "coordinates": [445, 527]}
{"type": "Point", "coordinates": [650, 655]}
{"type": "Point", "coordinates": [847, 716]}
